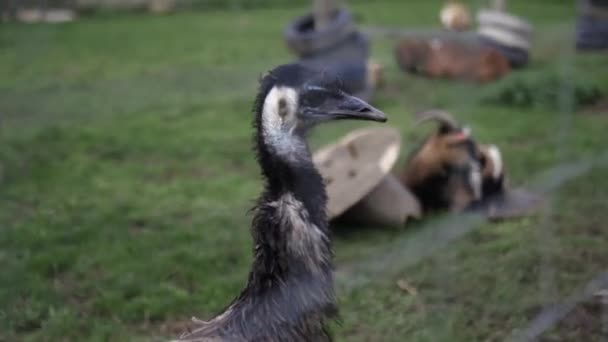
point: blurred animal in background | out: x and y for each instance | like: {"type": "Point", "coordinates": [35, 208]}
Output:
{"type": "Point", "coordinates": [452, 59]}
{"type": "Point", "coordinates": [492, 171]}
{"type": "Point", "coordinates": [289, 295]}
{"type": "Point", "coordinates": [455, 16]}
{"type": "Point", "coordinates": [450, 170]}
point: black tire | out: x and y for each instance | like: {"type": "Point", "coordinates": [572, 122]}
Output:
{"type": "Point", "coordinates": [517, 58]}
{"type": "Point", "coordinates": [508, 34]}
{"type": "Point", "coordinates": [521, 29]}
{"type": "Point", "coordinates": [591, 33]}
{"type": "Point", "coordinates": [303, 40]}
{"type": "Point", "coordinates": [346, 60]}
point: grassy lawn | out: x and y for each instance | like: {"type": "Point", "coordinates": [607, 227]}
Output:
{"type": "Point", "coordinates": [126, 176]}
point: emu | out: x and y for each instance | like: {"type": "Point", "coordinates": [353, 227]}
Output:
{"type": "Point", "coordinates": [289, 295]}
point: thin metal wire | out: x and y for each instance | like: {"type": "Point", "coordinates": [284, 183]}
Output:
{"type": "Point", "coordinates": [548, 241]}
{"type": "Point", "coordinates": [553, 314]}
{"type": "Point", "coordinates": [604, 302]}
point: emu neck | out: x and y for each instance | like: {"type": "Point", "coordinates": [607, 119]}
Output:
{"type": "Point", "coordinates": [290, 286]}
{"type": "Point", "coordinates": [296, 175]}
{"type": "Point", "coordinates": [290, 225]}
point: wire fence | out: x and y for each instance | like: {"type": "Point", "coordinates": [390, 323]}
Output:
{"type": "Point", "coordinates": [383, 261]}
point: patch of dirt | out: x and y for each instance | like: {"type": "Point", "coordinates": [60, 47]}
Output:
{"type": "Point", "coordinates": [600, 107]}
{"type": "Point", "coordinates": [138, 226]}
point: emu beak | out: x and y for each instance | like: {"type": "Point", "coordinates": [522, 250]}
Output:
{"type": "Point", "coordinates": [353, 108]}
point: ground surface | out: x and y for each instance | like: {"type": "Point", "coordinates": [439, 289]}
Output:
{"type": "Point", "coordinates": [127, 174]}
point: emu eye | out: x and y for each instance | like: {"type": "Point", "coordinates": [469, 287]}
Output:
{"type": "Point", "coordinates": [314, 98]}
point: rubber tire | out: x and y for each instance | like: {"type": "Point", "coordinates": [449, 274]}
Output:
{"type": "Point", "coordinates": [592, 30]}
{"type": "Point", "coordinates": [346, 60]}
{"type": "Point", "coordinates": [303, 40]}
{"type": "Point", "coordinates": [505, 29]}
{"type": "Point", "coordinates": [510, 22]}
{"type": "Point", "coordinates": [517, 57]}
{"type": "Point", "coordinates": [504, 37]}
{"type": "Point", "coordinates": [508, 34]}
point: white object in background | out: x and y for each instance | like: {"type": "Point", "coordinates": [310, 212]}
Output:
{"type": "Point", "coordinates": [358, 179]}
{"type": "Point", "coordinates": [455, 16]}
{"type": "Point", "coordinates": [52, 16]}
{"type": "Point", "coordinates": [505, 29]}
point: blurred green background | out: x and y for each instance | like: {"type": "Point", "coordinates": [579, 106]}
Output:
{"type": "Point", "coordinates": [127, 173]}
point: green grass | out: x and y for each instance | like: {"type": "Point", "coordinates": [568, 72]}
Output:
{"type": "Point", "coordinates": [127, 175]}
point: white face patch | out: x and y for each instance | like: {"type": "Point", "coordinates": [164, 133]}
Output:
{"type": "Point", "coordinates": [496, 158]}
{"type": "Point", "coordinates": [279, 121]}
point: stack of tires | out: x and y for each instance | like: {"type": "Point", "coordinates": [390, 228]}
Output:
{"type": "Point", "coordinates": [338, 48]}
{"type": "Point", "coordinates": [592, 25]}
{"type": "Point", "coordinates": [508, 34]}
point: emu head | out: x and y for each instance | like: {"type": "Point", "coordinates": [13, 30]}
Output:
{"type": "Point", "coordinates": [294, 98]}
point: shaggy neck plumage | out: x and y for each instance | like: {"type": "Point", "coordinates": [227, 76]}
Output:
{"type": "Point", "coordinates": [294, 176]}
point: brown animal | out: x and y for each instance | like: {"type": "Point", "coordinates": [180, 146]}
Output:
{"type": "Point", "coordinates": [450, 170]}
{"type": "Point", "coordinates": [440, 58]}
